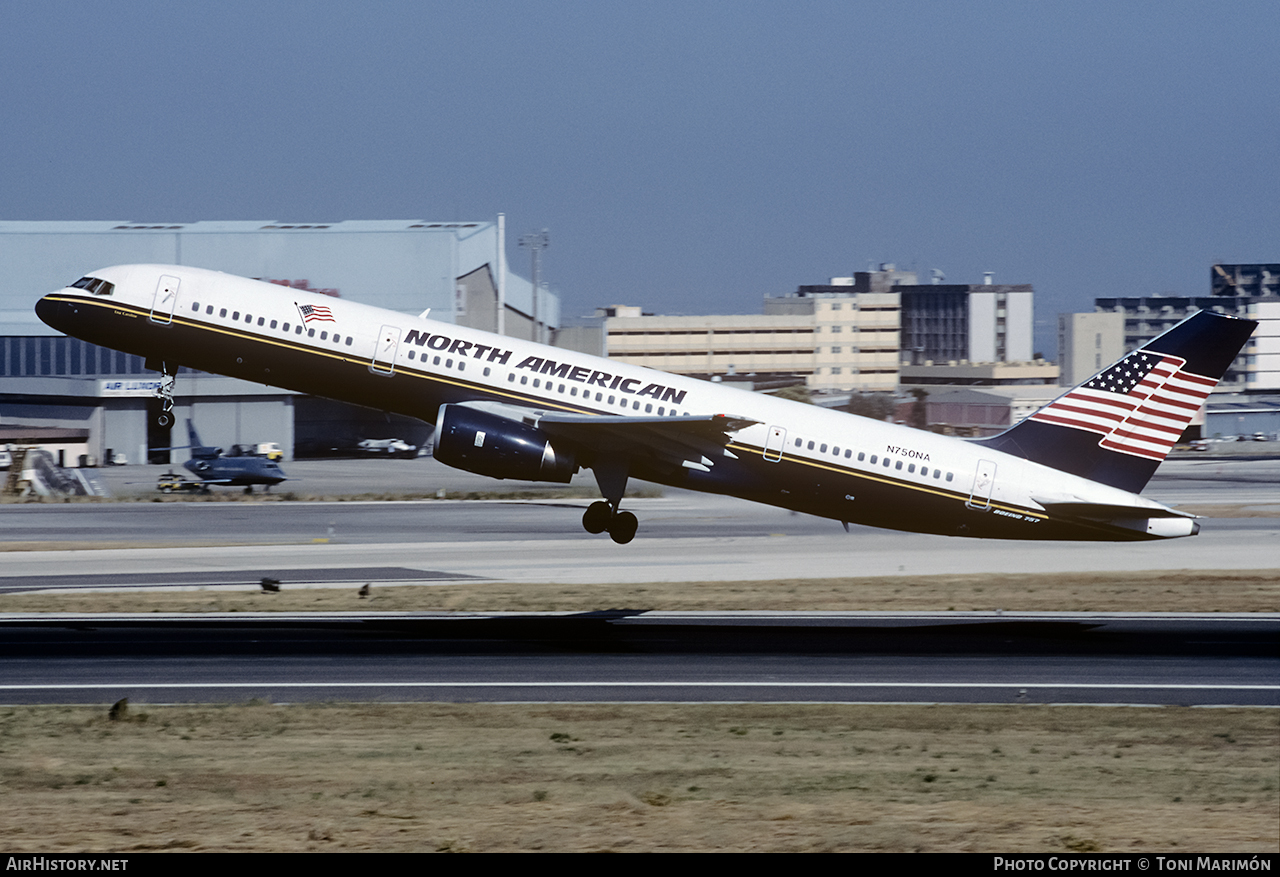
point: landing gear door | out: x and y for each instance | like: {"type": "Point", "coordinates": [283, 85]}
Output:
{"type": "Point", "coordinates": [984, 480]}
{"type": "Point", "coordinates": [165, 301]}
{"type": "Point", "coordinates": [384, 355]}
{"type": "Point", "coordinates": [773, 444]}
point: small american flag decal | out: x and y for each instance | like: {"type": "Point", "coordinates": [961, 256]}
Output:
{"type": "Point", "coordinates": [315, 312]}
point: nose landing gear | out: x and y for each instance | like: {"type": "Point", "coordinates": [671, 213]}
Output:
{"type": "Point", "coordinates": [164, 419]}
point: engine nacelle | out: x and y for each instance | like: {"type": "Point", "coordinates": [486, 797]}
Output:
{"type": "Point", "coordinates": [489, 444]}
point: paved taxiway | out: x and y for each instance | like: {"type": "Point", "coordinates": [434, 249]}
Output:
{"type": "Point", "coordinates": [683, 536]}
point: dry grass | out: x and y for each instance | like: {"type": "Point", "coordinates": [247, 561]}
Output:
{"type": "Point", "coordinates": [497, 777]}
{"type": "Point", "coordinates": [1185, 591]}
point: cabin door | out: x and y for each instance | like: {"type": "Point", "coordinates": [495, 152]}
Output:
{"type": "Point", "coordinates": [384, 355]}
{"type": "Point", "coordinates": [773, 444]}
{"type": "Point", "coordinates": [983, 482]}
{"type": "Point", "coordinates": [165, 301]}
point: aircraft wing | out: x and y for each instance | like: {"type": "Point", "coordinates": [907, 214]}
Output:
{"type": "Point", "coordinates": [688, 442]}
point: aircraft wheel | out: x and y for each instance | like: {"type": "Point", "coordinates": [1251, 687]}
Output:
{"type": "Point", "coordinates": [622, 529]}
{"type": "Point", "coordinates": [596, 518]}
{"type": "Point", "coordinates": [248, 491]}
{"type": "Point", "coordinates": [166, 489]}
{"type": "Point", "coordinates": [164, 419]}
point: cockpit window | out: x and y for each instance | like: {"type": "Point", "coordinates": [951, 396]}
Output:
{"type": "Point", "coordinates": [94, 285]}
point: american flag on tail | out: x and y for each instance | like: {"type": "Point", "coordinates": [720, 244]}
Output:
{"type": "Point", "coordinates": [315, 312]}
{"type": "Point", "coordinates": [1140, 406]}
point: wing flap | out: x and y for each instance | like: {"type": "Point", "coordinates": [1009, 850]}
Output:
{"type": "Point", "coordinates": [690, 442]}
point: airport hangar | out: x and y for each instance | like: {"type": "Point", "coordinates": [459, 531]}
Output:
{"type": "Point", "coordinates": [457, 269]}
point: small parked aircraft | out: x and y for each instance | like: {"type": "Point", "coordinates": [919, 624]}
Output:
{"type": "Point", "coordinates": [213, 469]}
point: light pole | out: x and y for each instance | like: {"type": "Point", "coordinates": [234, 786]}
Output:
{"type": "Point", "coordinates": [535, 242]}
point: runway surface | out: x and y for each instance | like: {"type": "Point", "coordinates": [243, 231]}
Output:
{"type": "Point", "coordinates": [1191, 660]}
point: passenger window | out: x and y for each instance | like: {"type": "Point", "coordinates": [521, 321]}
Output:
{"type": "Point", "coordinates": [235, 315]}
{"type": "Point", "coordinates": [797, 443]}
{"type": "Point", "coordinates": [462, 365]}
{"type": "Point", "coordinates": [937, 472]}
{"type": "Point", "coordinates": [562, 388]}
{"type": "Point", "coordinates": [273, 324]}
{"type": "Point", "coordinates": [209, 310]}
{"type": "Point", "coordinates": [436, 361]}
{"type": "Point", "coordinates": [195, 308]}
{"type": "Point", "coordinates": [949, 476]}
{"type": "Point", "coordinates": [285, 327]}
{"type": "Point", "coordinates": [610, 398]}
{"type": "Point", "coordinates": [537, 382]}
{"type": "Point", "coordinates": [911, 468]}
{"type": "Point", "coordinates": [511, 377]}
{"type": "Point", "coordinates": [634, 405]}
{"type": "Point", "coordinates": [324, 336]}
{"type": "Point", "coordinates": [349, 339]}
{"type": "Point", "coordinates": [886, 462]}
{"type": "Point", "coordinates": [822, 448]}
{"type": "Point", "coordinates": [298, 330]}
{"type": "Point", "coordinates": [862, 455]}
{"type": "Point", "coordinates": [222, 313]}
{"type": "Point", "coordinates": [311, 333]}
{"type": "Point", "coordinates": [524, 379]}
{"type": "Point", "coordinates": [413, 354]}
{"type": "Point", "coordinates": [486, 371]}
{"type": "Point", "coordinates": [648, 409]}
{"type": "Point", "coordinates": [662, 412]}
{"type": "Point", "coordinates": [811, 446]}
{"type": "Point", "coordinates": [573, 391]}
{"type": "Point", "coordinates": [873, 459]}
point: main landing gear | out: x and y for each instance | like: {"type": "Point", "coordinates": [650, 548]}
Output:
{"type": "Point", "coordinates": [604, 515]}
{"type": "Point", "coordinates": [601, 516]}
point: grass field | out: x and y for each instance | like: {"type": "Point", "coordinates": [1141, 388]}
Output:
{"type": "Point", "coordinates": [511, 777]}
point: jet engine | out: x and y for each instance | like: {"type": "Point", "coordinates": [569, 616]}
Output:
{"type": "Point", "coordinates": [489, 444]}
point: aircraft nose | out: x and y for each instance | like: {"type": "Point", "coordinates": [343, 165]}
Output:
{"type": "Point", "coordinates": [54, 313]}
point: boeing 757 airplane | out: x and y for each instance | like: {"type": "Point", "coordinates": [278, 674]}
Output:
{"type": "Point", "coordinates": [509, 408]}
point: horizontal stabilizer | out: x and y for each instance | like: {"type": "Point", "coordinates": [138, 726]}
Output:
{"type": "Point", "coordinates": [1097, 511]}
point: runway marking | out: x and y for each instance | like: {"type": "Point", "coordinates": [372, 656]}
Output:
{"type": "Point", "coordinates": [1085, 685]}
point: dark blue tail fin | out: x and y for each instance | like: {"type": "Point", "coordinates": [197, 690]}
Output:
{"type": "Point", "coordinates": [1117, 427]}
{"type": "Point", "coordinates": [198, 451]}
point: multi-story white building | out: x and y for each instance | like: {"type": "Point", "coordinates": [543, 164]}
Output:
{"type": "Point", "coordinates": [1088, 343]}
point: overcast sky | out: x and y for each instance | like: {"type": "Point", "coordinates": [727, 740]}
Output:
{"type": "Point", "coordinates": [688, 157]}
